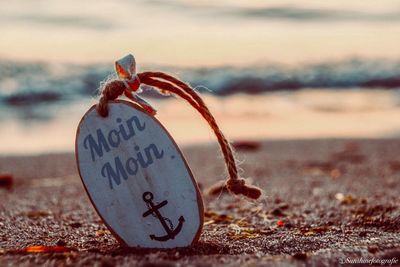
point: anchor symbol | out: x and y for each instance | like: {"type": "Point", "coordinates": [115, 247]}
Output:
{"type": "Point", "coordinates": [153, 210]}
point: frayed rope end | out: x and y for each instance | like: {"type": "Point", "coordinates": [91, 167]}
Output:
{"type": "Point", "coordinates": [239, 187]}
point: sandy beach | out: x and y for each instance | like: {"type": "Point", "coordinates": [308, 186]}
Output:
{"type": "Point", "coordinates": [325, 202]}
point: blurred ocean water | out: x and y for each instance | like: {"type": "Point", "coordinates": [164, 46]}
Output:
{"type": "Point", "coordinates": [35, 86]}
{"type": "Point", "coordinates": [53, 50]}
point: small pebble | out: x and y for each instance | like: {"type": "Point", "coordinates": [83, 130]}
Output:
{"type": "Point", "coordinates": [61, 243]}
{"type": "Point", "coordinates": [6, 180]}
{"type": "Point", "coordinates": [75, 224]}
{"type": "Point", "coordinates": [300, 256]}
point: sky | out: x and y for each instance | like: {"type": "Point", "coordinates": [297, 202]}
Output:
{"type": "Point", "coordinates": [199, 33]}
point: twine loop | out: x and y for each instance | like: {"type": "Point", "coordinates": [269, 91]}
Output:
{"type": "Point", "coordinates": [129, 82]}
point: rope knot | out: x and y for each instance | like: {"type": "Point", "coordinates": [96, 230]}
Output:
{"type": "Point", "coordinates": [127, 84]}
{"type": "Point", "coordinates": [126, 71]}
{"type": "Point", "coordinates": [238, 186]}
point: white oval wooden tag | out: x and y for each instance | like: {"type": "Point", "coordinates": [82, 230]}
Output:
{"type": "Point", "coordinates": [137, 178]}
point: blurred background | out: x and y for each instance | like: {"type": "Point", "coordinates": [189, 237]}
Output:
{"type": "Point", "coordinates": [268, 69]}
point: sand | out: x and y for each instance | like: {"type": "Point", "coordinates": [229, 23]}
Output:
{"type": "Point", "coordinates": [325, 202]}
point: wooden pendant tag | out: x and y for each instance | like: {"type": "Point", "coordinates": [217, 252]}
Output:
{"type": "Point", "coordinates": [137, 178]}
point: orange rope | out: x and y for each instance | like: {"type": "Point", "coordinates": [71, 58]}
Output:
{"type": "Point", "coordinates": [170, 84]}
